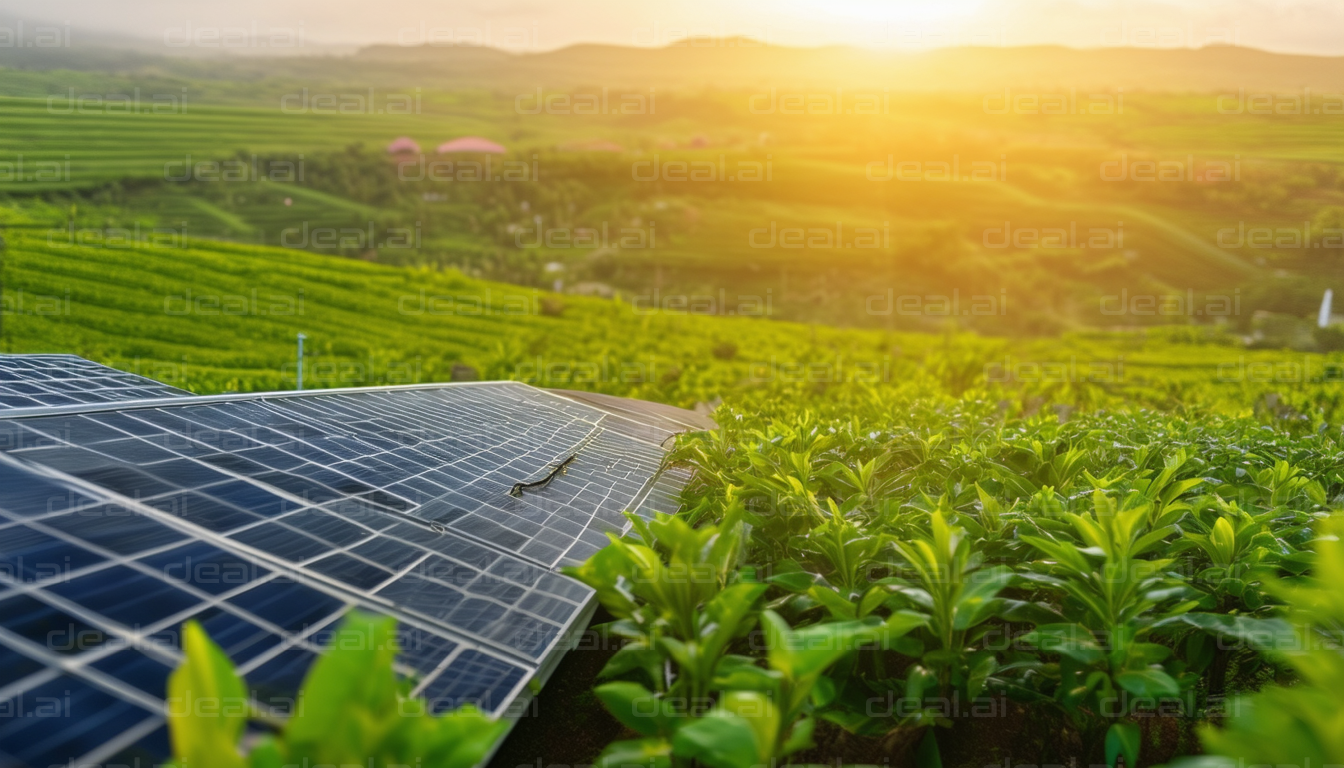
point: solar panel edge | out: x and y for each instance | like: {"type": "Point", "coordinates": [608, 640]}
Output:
{"type": "Point", "coordinates": [525, 695]}
{"type": "Point", "coordinates": [232, 397]}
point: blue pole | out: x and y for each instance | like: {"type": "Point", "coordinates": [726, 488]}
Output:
{"type": "Point", "coordinates": [301, 338]}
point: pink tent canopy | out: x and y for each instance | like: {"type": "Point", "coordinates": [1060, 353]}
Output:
{"type": "Point", "coordinates": [471, 144]}
{"type": "Point", "coordinates": [403, 144]}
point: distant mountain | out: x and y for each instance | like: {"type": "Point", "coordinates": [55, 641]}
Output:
{"type": "Point", "coordinates": [712, 63]}
{"type": "Point", "coordinates": [738, 62]}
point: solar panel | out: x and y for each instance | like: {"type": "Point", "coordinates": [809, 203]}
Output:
{"type": "Point", "coordinates": [28, 381]}
{"type": "Point", "coordinates": [268, 517]}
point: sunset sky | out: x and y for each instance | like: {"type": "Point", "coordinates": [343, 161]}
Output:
{"type": "Point", "coordinates": [1295, 26]}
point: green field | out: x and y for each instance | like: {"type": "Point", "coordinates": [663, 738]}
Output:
{"type": "Point", "coordinates": [1062, 213]}
{"type": "Point", "coordinates": [214, 317]}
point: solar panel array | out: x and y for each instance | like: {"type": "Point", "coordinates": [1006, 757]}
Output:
{"type": "Point", "coordinates": [266, 518]}
{"type": "Point", "coordinates": [28, 381]}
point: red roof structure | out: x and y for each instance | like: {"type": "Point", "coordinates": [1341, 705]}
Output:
{"type": "Point", "coordinates": [471, 144]}
{"type": "Point", "coordinates": [403, 144]}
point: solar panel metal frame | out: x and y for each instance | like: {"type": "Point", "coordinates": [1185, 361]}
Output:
{"type": "Point", "coordinates": [538, 669]}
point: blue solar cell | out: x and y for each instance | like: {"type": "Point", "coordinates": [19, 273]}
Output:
{"type": "Point", "coordinates": [129, 482]}
{"type": "Point", "coordinates": [134, 667]}
{"type": "Point", "coordinates": [132, 450]}
{"type": "Point", "coordinates": [327, 527]}
{"type": "Point", "coordinates": [275, 683]}
{"type": "Point", "coordinates": [352, 571]}
{"type": "Point", "coordinates": [120, 530]}
{"type": "Point", "coordinates": [63, 718]}
{"type": "Point", "coordinates": [389, 553]}
{"type": "Point", "coordinates": [29, 555]}
{"type": "Point", "coordinates": [152, 749]}
{"type": "Point", "coordinates": [524, 633]}
{"type": "Point", "coordinates": [204, 511]}
{"type": "Point", "coordinates": [185, 474]}
{"type": "Point", "coordinates": [250, 497]}
{"type": "Point", "coordinates": [547, 608]}
{"type": "Point", "coordinates": [14, 436]}
{"type": "Point", "coordinates": [128, 424]}
{"type": "Point", "coordinates": [49, 627]}
{"type": "Point", "coordinates": [447, 571]}
{"type": "Point", "coordinates": [23, 493]}
{"type": "Point", "coordinates": [476, 615]}
{"type": "Point", "coordinates": [289, 605]}
{"type": "Point", "coordinates": [423, 596]}
{"type": "Point", "coordinates": [52, 379]}
{"type": "Point", "coordinates": [241, 640]}
{"type": "Point", "coordinates": [206, 567]}
{"type": "Point", "coordinates": [309, 491]}
{"type": "Point", "coordinates": [285, 543]}
{"type": "Point", "coordinates": [473, 678]}
{"type": "Point", "coordinates": [76, 430]}
{"type": "Point", "coordinates": [15, 666]}
{"type": "Point", "coordinates": [126, 595]}
{"type": "Point", "coordinates": [422, 651]}
{"type": "Point", "coordinates": [236, 463]}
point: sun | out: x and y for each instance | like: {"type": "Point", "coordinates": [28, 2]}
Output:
{"type": "Point", "coordinates": [886, 11]}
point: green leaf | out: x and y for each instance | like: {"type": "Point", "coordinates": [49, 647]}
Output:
{"type": "Point", "coordinates": [1123, 740]}
{"type": "Point", "coordinates": [793, 582]}
{"type": "Point", "coordinates": [1148, 683]}
{"type": "Point", "coordinates": [836, 605]}
{"type": "Point", "coordinates": [637, 708]}
{"type": "Point", "coordinates": [800, 737]}
{"type": "Point", "coordinates": [927, 754]}
{"type": "Point", "coordinates": [719, 742]}
{"type": "Point", "coordinates": [974, 604]}
{"type": "Point", "coordinates": [1072, 640]}
{"type": "Point", "coordinates": [872, 599]}
{"type": "Point", "coordinates": [630, 657]}
{"type": "Point", "coordinates": [653, 753]}
{"type": "Point", "coordinates": [353, 675]}
{"type": "Point", "coordinates": [208, 705]}
{"type": "Point", "coordinates": [1224, 541]}
{"type": "Point", "coordinates": [266, 754]}
{"type": "Point", "coordinates": [1260, 634]}
{"type": "Point", "coordinates": [980, 667]}
{"type": "Point", "coordinates": [790, 576]}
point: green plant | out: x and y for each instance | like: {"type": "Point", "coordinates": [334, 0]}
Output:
{"type": "Point", "coordinates": [1300, 724]}
{"type": "Point", "coordinates": [1117, 596]}
{"type": "Point", "coordinates": [353, 710]}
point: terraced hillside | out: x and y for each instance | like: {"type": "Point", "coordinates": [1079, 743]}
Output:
{"type": "Point", "coordinates": [213, 317]}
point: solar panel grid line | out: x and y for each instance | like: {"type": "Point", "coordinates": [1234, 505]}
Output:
{"type": "Point", "coordinates": [277, 563]}
{"type": "Point", "coordinates": [90, 658]}
{"type": "Point", "coordinates": [638, 418]}
{"type": "Point", "coordinates": [28, 381]}
{"type": "Point", "coordinates": [372, 595]}
{"type": "Point", "coordinates": [29, 681]}
{"type": "Point", "coordinates": [57, 665]}
{"type": "Point", "coordinates": [135, 635]}
{"type": "Point", "coordinates": [100, 755]}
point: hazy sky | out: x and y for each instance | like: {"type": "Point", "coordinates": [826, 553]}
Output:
{"type": "Point", "coordinates": [1300, 26]}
